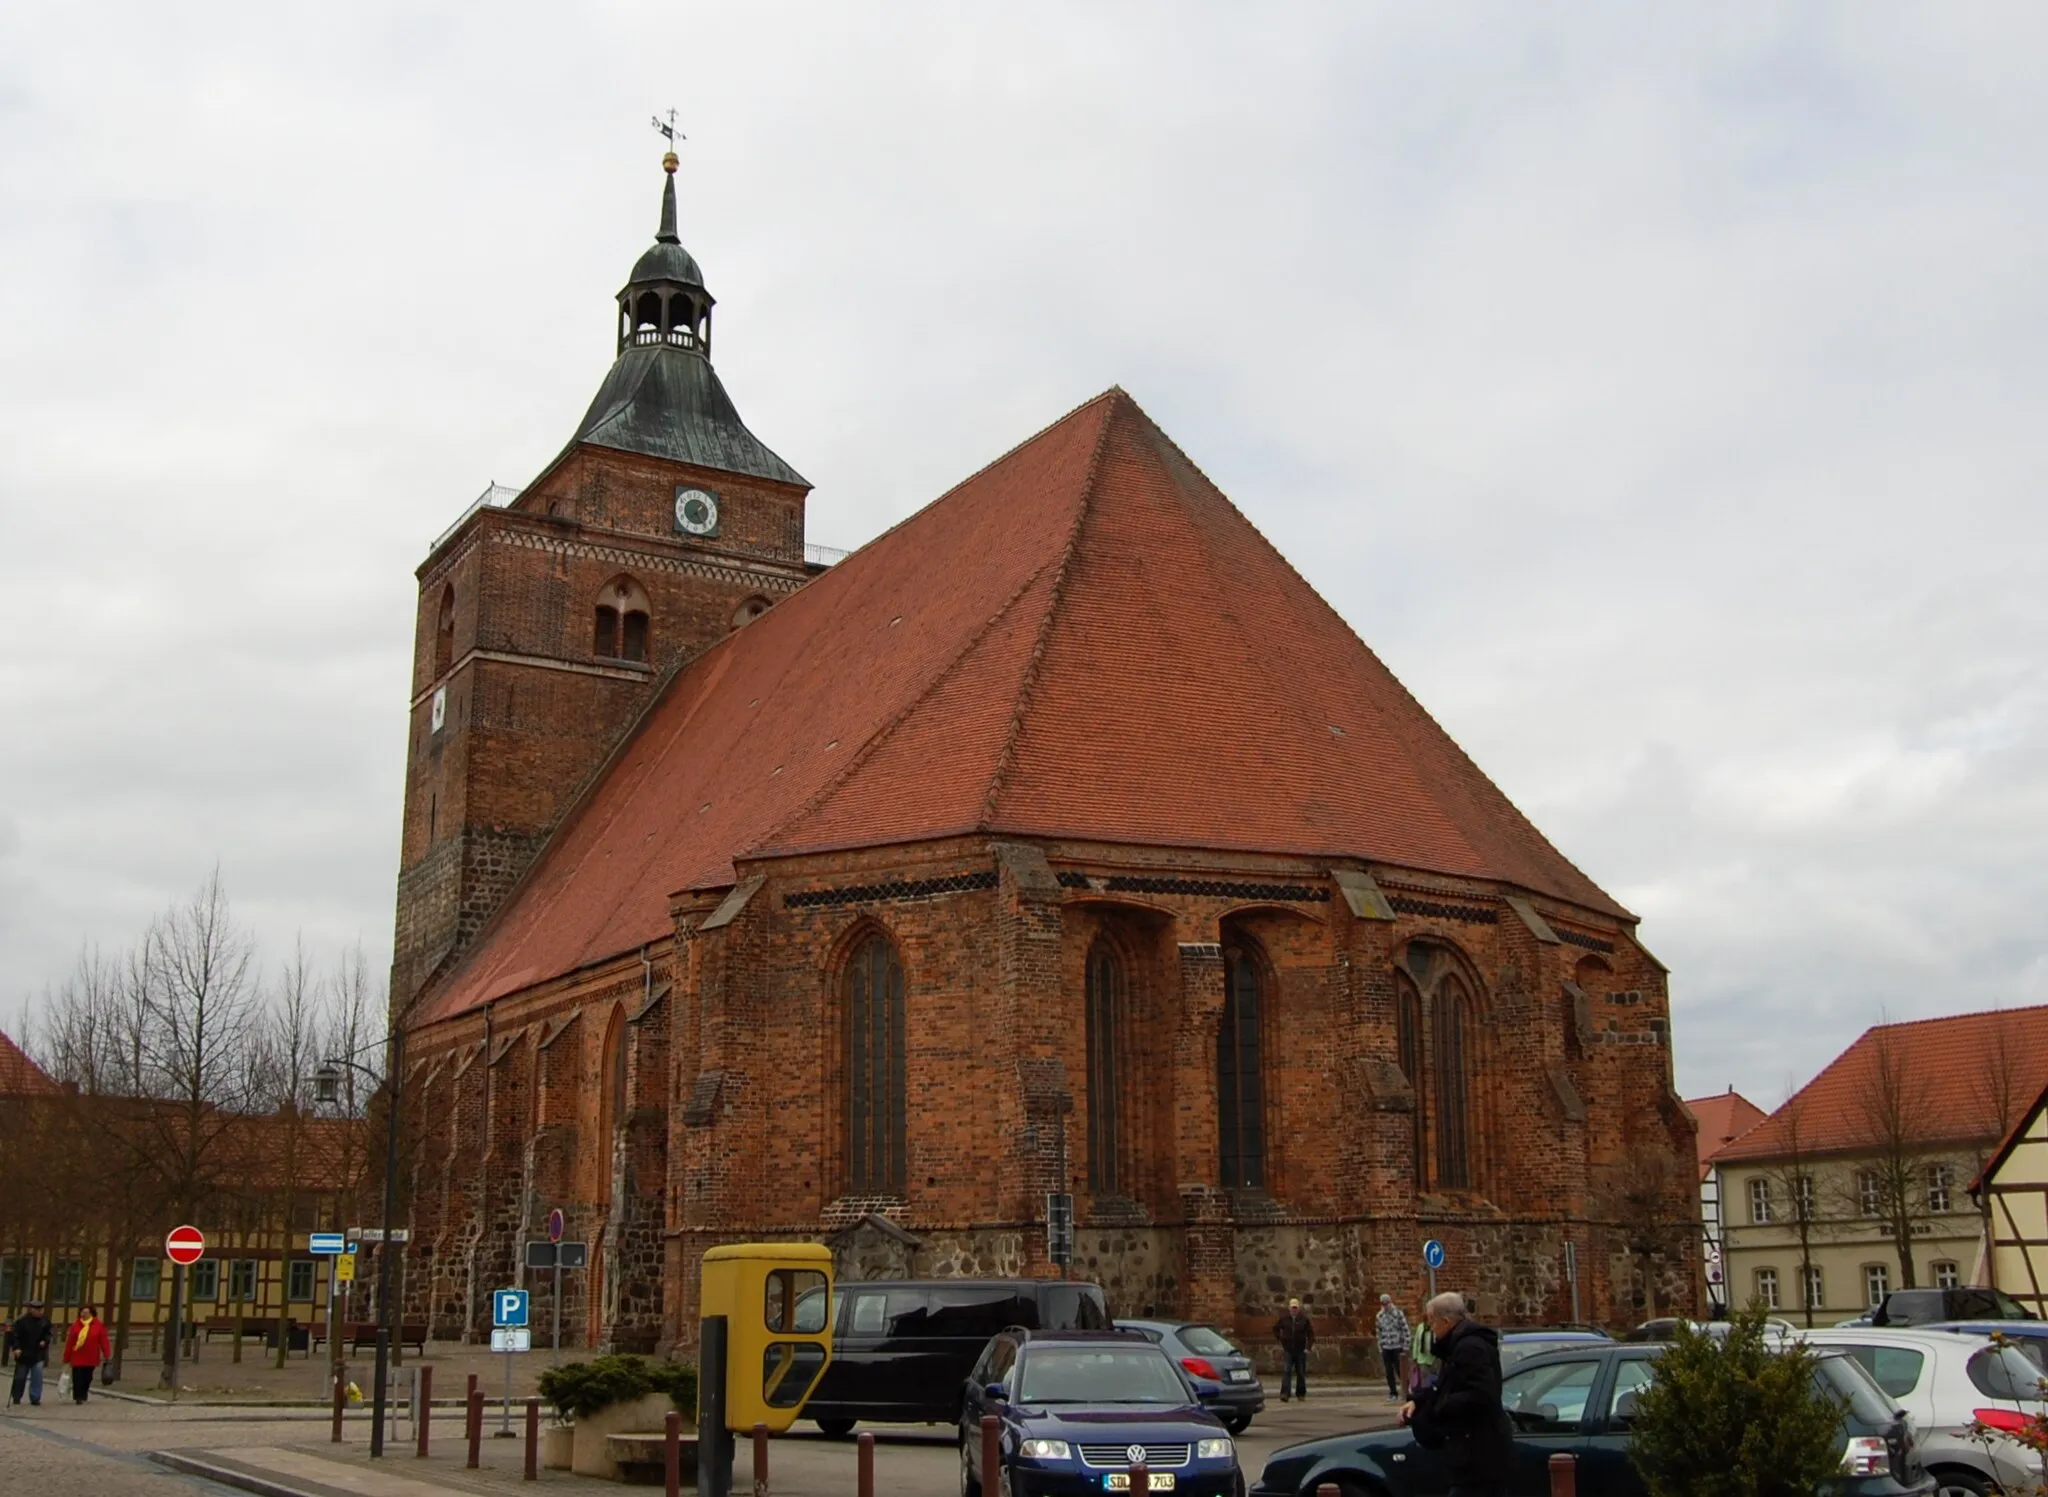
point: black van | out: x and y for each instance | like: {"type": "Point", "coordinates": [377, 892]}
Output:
{"type": "Point", "coordinates": [902, 1348]}
{"type": "Point", "coordinates": [1926, 1306]}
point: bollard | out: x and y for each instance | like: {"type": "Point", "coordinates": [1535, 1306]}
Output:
{"type": "Point", "coordinates": [468, 1392]}
{"type": "Point", "coordinates": [532, 1472]}
{"type": "Point", "coordinates": [1564, 1475]}
{"type": "Point", "coordinates": [1141, 1480]}
{"type": "Point", "coordinates": [991, 1453]}
{"type": "Point", "coordinates": [340, 1402]}
{"type": "Point", "coordinates": [476, 1426]}
{"type": "Point", "coordinates": [760, 1460]}
{"type": "Point", "coordinates": [672, 1453]}
{"type": "Point", "coordinates": [423, 1421]}
{"type": "Point", "coordinates": [864, 1466]}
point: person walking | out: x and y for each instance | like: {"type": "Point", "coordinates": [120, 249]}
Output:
{"type": "Point", "coordinates": [1296, 1333]}
{"type": "Point", "coordinates": [1392, 1326]}
{"type": "Point", "coordinates": [1461, 1412]}
{"type": "Point", "coordinates": [85, 1348]}
{"type": "Point", "coordinates": [29, 1337]}
{"type": "Point", "coordinates": [1421, 1355]}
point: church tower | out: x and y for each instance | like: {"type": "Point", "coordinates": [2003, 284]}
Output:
{"type": "Point", "coordinates": [548, 618]}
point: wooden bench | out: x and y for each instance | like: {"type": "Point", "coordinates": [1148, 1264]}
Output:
{"type": "Point", "coordinates": [362, 1334]}
{"type": "Point", "coordinates": [643, 1457]}
{"type": "Point", "coordinates": [299, 1337]}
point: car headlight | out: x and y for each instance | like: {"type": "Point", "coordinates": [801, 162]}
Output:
{"type": "Point", "coordinates": [1215, 1450]}
{"type": "Point", "coordinates": [1044, 1450]}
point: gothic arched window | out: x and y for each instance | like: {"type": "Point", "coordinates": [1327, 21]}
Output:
{"type": "Point", "coordinates": [1408, 1042]}
{"type": "Point", "coordinates": [874, 1090]}
{"type": "Point", "coordinates": [444, 632]}
{"type": "Point", "coordinates": [1452, 1036]}
{"type": "Point", "coordinates": [1105, 1021]}
{"type": "Point", "coordinates": [1240, 1076]}
{"type": "Point", "coordinates": [620, 632]}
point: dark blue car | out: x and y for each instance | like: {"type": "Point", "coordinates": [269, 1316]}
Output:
{"type": "Point", "coordinates": [1078, 1409]}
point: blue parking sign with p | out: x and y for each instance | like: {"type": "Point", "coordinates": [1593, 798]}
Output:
{"type": "Point", "coordinates": [508, 1307]}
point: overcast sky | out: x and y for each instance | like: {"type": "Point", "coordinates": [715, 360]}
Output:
{"type": "Point", "coordinates": [1658, 390]}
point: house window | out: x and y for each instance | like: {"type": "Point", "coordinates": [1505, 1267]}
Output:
{"type": "Point", "coordinates": [620, 630]}
{"type": "Point", "coordinates": [1240, 1076]}
{"type": "Point", "coordinates": [1946, 1274]}
{"type": "Point", "coordinates": [16, 1274]}
{"type": "Point", "coordinates": [145, 1278]}
{"type": "Point", "coordinates": [1759, 1199]}
{"type": "Point", "coordinates": [1802, 1197]}
{"type": "Point", "coordinates": [1877, 1283]}
{"type": "Point", "coordinates": [1408, 1041]}
{"type": "Point", "coordinates": [1767, 1288]}
{"type": "Point", "coordinates": [300, 1283]}
{"type": "Point", "coordinates": [206, 1281]}
{"type": "Point", "coordinates": [1941, 1181]}
{"type": "Point", "coordinates": [67, 1281]}
{"type": "Point", "coordinates": [242, 1280]}
{"type": "Point", "coordinates": [1105, 1005]}
{"type": "Point", "coordinates": [874, 1023]}
{"type": "Point", "coordinates": [1451, 1032]}
{"type": "Point", "coordinates": [1869, 1193]}
{"type": "Point", "coordinates": [1814, 1290]}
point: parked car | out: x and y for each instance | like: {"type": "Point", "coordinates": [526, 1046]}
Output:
{"type": "Point", "coordinates": [1579, 1403]}
{"type": "Point", "coordinates": [1926, 1306]}
{"type": "Point", "coordinates": [1519, 1346]}
{"type": "Point", "coordinates": [1667, 1329]}
{"type": "Point", "coordinates": [1948, 1382]}
{"type": "Point", "coordinates": [1078, 1409]}
{"type": "Point", "coordinates": [901, 1347]}
{"type": "Point", "coordinates": [2030, 1336]}
{"type": "Point", "coordinates": [1224, 1377]}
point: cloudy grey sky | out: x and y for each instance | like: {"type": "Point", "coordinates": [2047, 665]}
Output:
{"type": "Point", "coordinates": [1658, 389]}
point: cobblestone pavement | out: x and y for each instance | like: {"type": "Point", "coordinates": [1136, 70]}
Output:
{"type": "Point", "coordinates": [100, 1449]}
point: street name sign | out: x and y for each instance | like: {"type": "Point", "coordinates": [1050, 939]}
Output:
{"type": "Point", "coordinates": [376, 1234]}
{"type": "Point", "coordinates": [322, 1244]}
{"type": "Point", "coordinates": [185, 1245]}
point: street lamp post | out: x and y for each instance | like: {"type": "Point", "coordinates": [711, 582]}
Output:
{"type": "Point", "coordinates": [326, 1087]}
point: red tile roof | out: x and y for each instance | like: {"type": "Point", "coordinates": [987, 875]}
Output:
{"type": "Point", "coordinates": [1962, 1072]}
{"type": "Point", "coordinates": [1722, 1118]}
{"type": "Point", "coordinates": [19, 1074]}
{"type": "Point", "coordinates": [1084, 639]}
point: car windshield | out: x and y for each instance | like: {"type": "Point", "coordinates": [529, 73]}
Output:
{"type": "Point", "coordinates": [1205, 1341]}
{"type": "Point", "coordinates": [1099, 1374]}
{"type": "Point", "coordinates": [1845, 1378]}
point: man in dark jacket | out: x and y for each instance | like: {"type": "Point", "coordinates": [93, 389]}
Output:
{"type": "Point", "coordinates": [1462, 1412]}
{"type": "Point", "coordinates": [1296, 1333]}
{"type": "Point", "coordinates": [29, 1337]}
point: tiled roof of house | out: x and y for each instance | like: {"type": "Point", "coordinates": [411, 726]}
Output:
{"type": "Point", "coordinates": [1962, 1080]}
{"type": "Point", "coordinates": [19, 1074]}
{"type": "Point", "coordinates": [1084, 639]}
{"type": "Point", "coordinates": [1722, 1118]}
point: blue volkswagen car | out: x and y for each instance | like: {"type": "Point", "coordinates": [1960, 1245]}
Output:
{"type": "Point", "coordinates": [1078, 1409]}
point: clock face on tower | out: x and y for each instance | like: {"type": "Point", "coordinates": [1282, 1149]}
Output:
{"type": "Point", "coordinates": [696, 511]}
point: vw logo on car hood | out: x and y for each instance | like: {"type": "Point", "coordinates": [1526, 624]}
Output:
{"type": "Point", "coordinates": [1135, 1454]}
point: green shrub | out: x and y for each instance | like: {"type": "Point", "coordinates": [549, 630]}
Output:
{"type": "Point", "coordinates": [580, 1389]}
{"type": "Point", "coordinates": [1730, 1416]}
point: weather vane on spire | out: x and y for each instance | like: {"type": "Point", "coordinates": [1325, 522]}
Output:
{"type": "Point", "coordinates": [668, 128]}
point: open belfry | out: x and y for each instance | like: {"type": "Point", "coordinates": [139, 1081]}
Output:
{"type": "Point", "coordinates": [1060, 839]}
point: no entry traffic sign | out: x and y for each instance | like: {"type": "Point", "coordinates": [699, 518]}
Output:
{"type": "Point", "coordinates": [185, 1245]}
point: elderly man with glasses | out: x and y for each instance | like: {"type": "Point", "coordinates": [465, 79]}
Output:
{"type": "Point", "coordinates": [1461, 1412]}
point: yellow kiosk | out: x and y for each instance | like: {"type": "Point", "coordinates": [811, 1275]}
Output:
{"type": "Point", "coordinates": [766, 1337]}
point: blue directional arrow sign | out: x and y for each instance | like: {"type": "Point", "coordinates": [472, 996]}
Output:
{"type": "Point", "coordinates": [1433, 1253]}
{"type": "Point", "coordinates": [324, 1243]}
{"type": "Point", "coordinates": [508, 1307]}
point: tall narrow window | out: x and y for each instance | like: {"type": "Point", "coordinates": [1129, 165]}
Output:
{"type": "Point", "coordinates": [605, 636]}
{"type": "Point", "coordinates": [1240, 1081]}
{"type": "Point", "coordinates": [444, 632]}
{"type": "Point", "coordinates": [620, 631]}
{"type": "Point", "coordinates": [1408, 1040]}
{"type": "Point", "coordinates": [1453, 1087]}
{"type": "Point", "coordinates": [617, 1078]}
{"type": "Point", "coordinates": [1105, 1068]}
{"type": "Point", "coordinates": [874, 1092]}
{"type": "Point", "coordinates": [633, 636]}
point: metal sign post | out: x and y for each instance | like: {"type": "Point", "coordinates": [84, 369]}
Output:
{"type": "Point", "coordinates": [183, 1246]}
{"type": "Point", "coordinates": [1432, 1259]}
{"type": "Point", "coordinates": [508, 1335]}
{"type": "Point", "coordinates": [1571, 1273]}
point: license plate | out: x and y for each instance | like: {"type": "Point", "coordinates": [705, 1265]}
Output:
{"type": "Point", "coordinates": [1120, 1481]}
{"type": "Point", "coordinates": [1239, 1375]}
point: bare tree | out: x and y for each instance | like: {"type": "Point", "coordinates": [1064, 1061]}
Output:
{"type": "Point", "coordinates": [1895, 1104]}
{"type": "Point", "coordinates": [1793, 1173]}
{"type": "Point", "coordinates": [1654, 1205]}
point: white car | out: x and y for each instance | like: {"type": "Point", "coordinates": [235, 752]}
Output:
{"type": "Point", "coordinates": [1947, 1381]}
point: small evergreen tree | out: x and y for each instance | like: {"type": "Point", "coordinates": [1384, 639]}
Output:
{"type": "Point", "coordinates": [1729, 1416]}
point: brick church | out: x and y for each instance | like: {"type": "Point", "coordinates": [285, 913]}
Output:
{"type": "Point", "coordinates": [1062, 838]}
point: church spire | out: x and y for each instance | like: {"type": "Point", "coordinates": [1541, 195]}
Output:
{"type": "Point", "coordinates": [664, 302]}
{"type": "Point", "coordinates": [666, 234]}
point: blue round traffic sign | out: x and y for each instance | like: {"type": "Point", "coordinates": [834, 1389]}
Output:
{"type": "Point", "coordinates": [555, 1225]}
{"type": "Point", "coordinates": [1433, 1253]}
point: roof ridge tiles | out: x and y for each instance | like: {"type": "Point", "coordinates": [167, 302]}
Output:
{"type": "Point", "coordinates": [1006, 756]}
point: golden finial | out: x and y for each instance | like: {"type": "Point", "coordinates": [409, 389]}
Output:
{"type": "Point", "coordinates": [667, 127]}
{"type": "Point", "coordinates": [669, 162]}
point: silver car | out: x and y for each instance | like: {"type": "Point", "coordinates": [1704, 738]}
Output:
{"type": "Point", "coordinates": [1947, 1383]}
